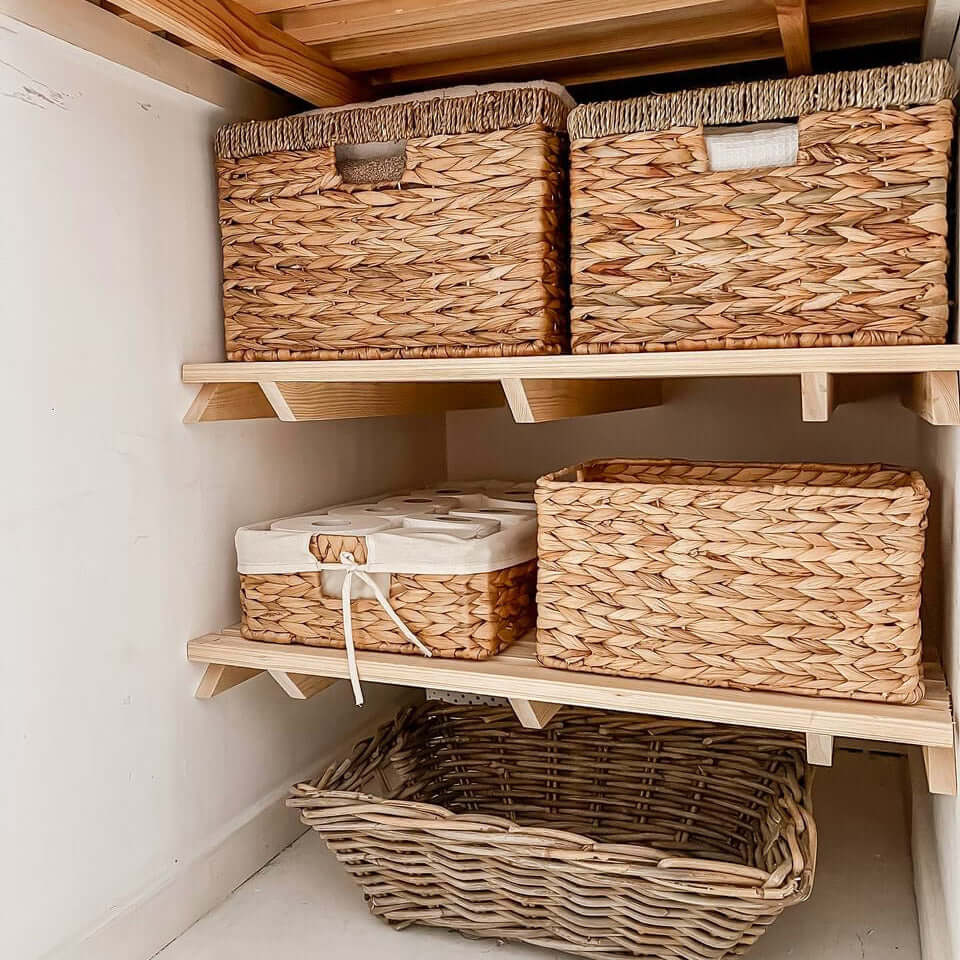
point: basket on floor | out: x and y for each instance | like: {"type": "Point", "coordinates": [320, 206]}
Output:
{"type": "Point", "coordinates": [432, 225]}
{"type": "Point", "coordinates": [688, 235]}
{"type": "Point", "coordinates": [605, 835]}
{"type": "Point", "coordinates": [797, 578]}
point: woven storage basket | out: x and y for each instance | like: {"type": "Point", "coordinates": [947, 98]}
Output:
{"type": "Point", "coordinates": [451, 242]}
{"type": "Point", "coordinates": [846, 246]}
{"type": "Point", "coordinates": [294, 585]}
{"type": "Point", "coordinates": [798, 578]}
{"type": "Point", "coordinates": [604, 835]}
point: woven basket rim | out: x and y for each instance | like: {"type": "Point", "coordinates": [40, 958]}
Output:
{"type": "Point", "coordinates": [484, 112]}
{"type": "Point", "coordinates": [913, 480]}
{"type": "Point", "coordinates": [794, 887]}
{"type": "Point", "coordinates": [910, 84]}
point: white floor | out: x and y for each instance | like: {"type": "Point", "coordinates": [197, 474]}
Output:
{"type": "Point", "coordinates": [301, 905]}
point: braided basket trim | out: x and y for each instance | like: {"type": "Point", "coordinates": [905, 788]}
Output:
{"type": "Point", "coordinates": [911, 84]}
{"type": "Point", "coordinates": [483, 112]}
{"type": "Point", "coordinates": [880, 479]}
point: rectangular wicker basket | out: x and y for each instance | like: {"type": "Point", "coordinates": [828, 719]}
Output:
{"type": "Point", "coordinates": [846, 247]}
{"type": "Point", "coordinates": [456, 571]}
{"type": "Point", "coordinates": [440, 231]}
{"type": "Point", "coordinates": [604, 835]}
{"type": "Point", "coordinates": [797, 578]}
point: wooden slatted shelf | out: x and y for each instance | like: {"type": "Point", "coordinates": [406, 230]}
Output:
{"type": "Point", "coordinates": [534, 690]}
{"type": "Point", "coordinates": [550, 388]}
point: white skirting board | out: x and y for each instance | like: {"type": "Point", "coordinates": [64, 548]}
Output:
{"type": "Point", "coordinates": [143, 926]}
{"type": "Point", "coordinates": [932, 918]}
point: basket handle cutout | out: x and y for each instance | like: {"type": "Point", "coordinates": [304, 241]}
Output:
{"type": "Point", "coordinates": [752, 146]}
{"type": "Point", "coordinates": [375, 162]}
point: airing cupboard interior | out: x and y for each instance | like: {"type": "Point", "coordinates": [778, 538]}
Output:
{"type": "Point", "coordinates": [543, 489]}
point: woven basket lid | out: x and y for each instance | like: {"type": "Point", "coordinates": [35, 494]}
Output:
{"type": "Point", "coordinates": [911, 84]}
{"type": "Point", "coordinates": [434, 113]}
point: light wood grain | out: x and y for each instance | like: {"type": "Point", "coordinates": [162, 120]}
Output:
{"type": "Point", "coordinates": [232, 33]}
{"type": "Point", "coordinates": [817, 396]}
{"type": "Point", "coordinates": [795, 33]}
{"type": "Point", "coordinates": [532, 714]}
{"type": "Point", "coordinates": [228, 401]}
{"type": "Point", "coordinates": [537, 401]}
{"type": "Point", "coordinates": [941, 767]}
{"type": "Point", "coordinates": [819, 749]}
{"type": "Point", "coordinates": [702, 363]}
{"type": "Point", "coordinates": [516, 673]}
{"type": "Point", "coordinates": [295, 401]}
{"type": "Point", "coordinates": [299, 686]}
{"type": "Point", "coordinates": [935, 396]}
{"type": "Point", "coordinates": [617, 37]}
{"type": "Point", "coordinates": [218, 677]}
{"type": "Point", "coordinates": [421, 25]}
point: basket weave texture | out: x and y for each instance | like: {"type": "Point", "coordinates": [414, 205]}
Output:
{"type": "Point", "coordinates": [847, 247]}
{"type": "Point", "coordinates": [466, 616]}
{"type": "Point", "coordinates": [458, 249]}
{"type": "Point", "coordinates": [797, 578]}
{"type": "Point", "coordinates": [604, 835]}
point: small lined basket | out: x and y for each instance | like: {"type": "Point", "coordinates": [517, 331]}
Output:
{"type": "Point", "coordinates": [430, 227]}
{"type": "Point", "coordinates": [604, 835]}
{"type": "Point", "coordinates": [796, 578]}
{"type": "Point", "coordinates": [846, 246]}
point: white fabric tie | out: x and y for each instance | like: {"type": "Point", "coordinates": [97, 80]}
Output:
{"type": "Point", "coordinates": [354, 569]}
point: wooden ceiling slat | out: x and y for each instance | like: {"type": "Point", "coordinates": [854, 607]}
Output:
{"type": "Point", "coordinates": [795, 34]}
{"type": "Point", "coordinates": [632, 36]}
{"type": "Point", "coordinates": [232, 33]}
{"type": "Point", "coordinates": [461, 21]}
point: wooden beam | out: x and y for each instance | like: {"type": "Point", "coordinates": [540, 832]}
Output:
{"type": "Point", "coordinates": [536, 401]}
{"type": "Point", "coordinates": [294, 401]}
{"type": "Point", "coordinates": [217, 678]}
{"type": "Point", "coordinates": [795, 34]}
{"type": "Point", "coordinates": [941, 767]}
{"type": "Point", "coordinates": [533, 714]}
{"type": "Point", "coordinates": [299, 686]}
{"type": "Point", "coordinates": [635, 35]}
{"type": "Point", "coordinates": [232, 33]}
{"type": "Point", "coordinates": [819, 749]}
{"type": "Point", "coordinates": [228, 401]}
{"type": "Point", "coordinates": [404, 36]}
{"type": "Point", "coordinates": [817, 396]}
{"type": "Point", "coordinates": [935, 396]}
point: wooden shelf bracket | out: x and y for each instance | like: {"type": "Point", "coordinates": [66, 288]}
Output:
{"type": "Point", "coordinates": [818, 396]}
{"type": "Point", "coordinates": [820, 749]}
{"type": "Point", "coordinates": [301, 686]}
{"type": "Point", "coordinates": [218, 678]}
{"type": "Point", "coordinates": [935, 396]}
{"type": "Point", "coordinates": [533, 714]}
{"type": "Point", "coordinates": [537, 401]}
{"type": "Point", "coordinates": [941, 766]}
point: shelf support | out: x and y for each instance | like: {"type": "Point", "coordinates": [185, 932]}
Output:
{"type": "Point", "coordinates": [941, 766]}
{"type": "Point", "coordinates": [306, 400]}
{"type": "Point", "coordinates": [218, 678]}
{"type": "Point", "coordinates": [228, 401]}
{"type": "Point", "coordinates": [533, 714]}
{"type": "Point", "coordinates": [818, 396]}
{"type": "Point", "coordinates": [935, 397]}
{"type": "Point", "coordinates": [537, 401]}
{"type": "Point", "coordinates": [795, 34]}
{"type": "Point", "coordinates": [820, 749]}
{"type": "Point", "coordinates": [301, 686]}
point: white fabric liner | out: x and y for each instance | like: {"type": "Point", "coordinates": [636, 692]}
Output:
{"type": "Point", "coordinates": [387, 149]}
{"type": "Point", "coordinates": [752, 145]}
{"type": "Point", "coordinates": [489, 528]}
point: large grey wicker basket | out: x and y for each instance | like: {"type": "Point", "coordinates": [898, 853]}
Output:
{"type": "Point", "coordinates": [604, 835]}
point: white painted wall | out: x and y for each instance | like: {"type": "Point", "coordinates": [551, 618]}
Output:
{"type": "Point", "coordinates": [126, 804]}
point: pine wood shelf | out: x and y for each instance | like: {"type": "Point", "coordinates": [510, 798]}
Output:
{"type": "Point", "coordinates": [535, 691]}
{"type": "Point", "coordinates": [537, 389]}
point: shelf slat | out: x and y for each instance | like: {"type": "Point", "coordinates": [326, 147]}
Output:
{"type": "Point", "coordinates": [516, 674]}
{"type": "Point", "coordinates": [693, 363]}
